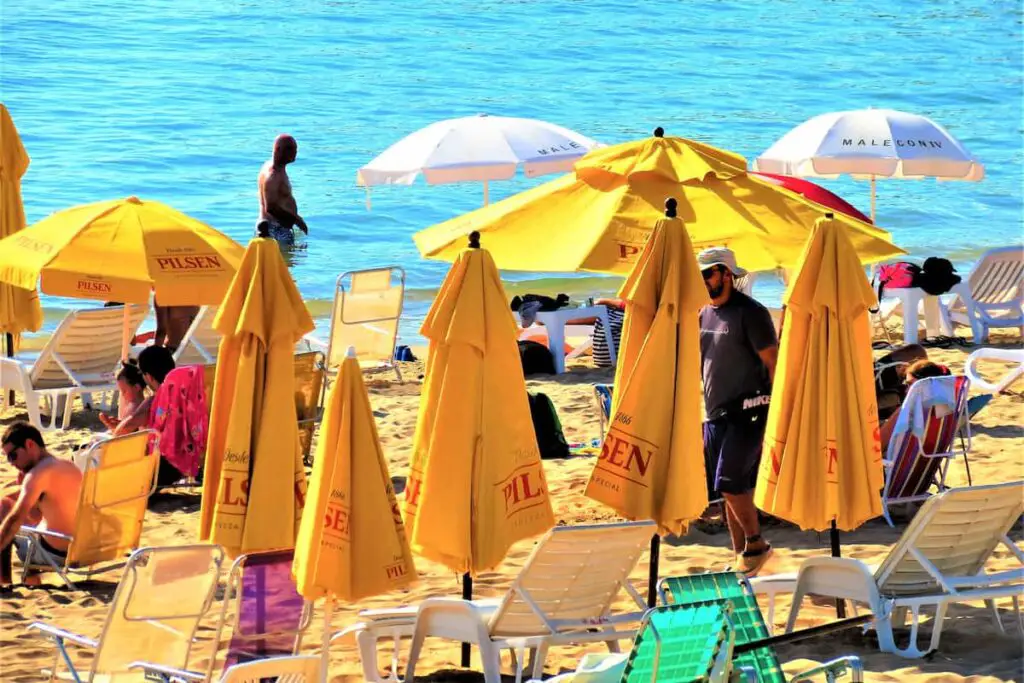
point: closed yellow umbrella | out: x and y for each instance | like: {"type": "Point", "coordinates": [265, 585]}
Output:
{"type": "Point", "coordinates": [476, 483]}
{"type": "Point", "coordinates": [19, 307]}
{"type": "Point", "coordinates": [652, 453]}
{"type": "Point", "coordinates": [255, 484]}
{"type": "Point", "coordinates": [652, 457]}
{"type": "Point", "coordinates": [822, 458]}
{"type": "Point", "coordinates": [599, 217]}
{"type": "Point", "coordinates": [352, 542]}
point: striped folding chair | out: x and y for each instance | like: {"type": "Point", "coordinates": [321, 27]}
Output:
{"type": "Point", "coordinates": [918, 459]}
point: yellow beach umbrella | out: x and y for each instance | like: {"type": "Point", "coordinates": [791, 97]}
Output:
{"type": "Point", "coordinates": [476, 483]}
{"type": "Point", "coordinates": [122, 250]}
{"type": "Point", "coordinates": [652, 453]}
{"type": "Point", "coordinates": [254, 484]}
{"type": "Point", "coordinates": [19, 307]}
{"type": "Point", "coordinates": [822, 459]}
{"type": "Point", "coordinates": [599, 218]}
{"type": "Point", "coordinates": [352, 541]}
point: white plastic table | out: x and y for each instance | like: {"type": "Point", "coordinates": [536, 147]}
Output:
{"type": "Point", "coordinates": [555, 322]}
{"type": "Point", "coordinates": [915, 301]}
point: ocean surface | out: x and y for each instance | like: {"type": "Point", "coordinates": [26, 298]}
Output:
{"type": "Point", "coordinates": [180, 102]}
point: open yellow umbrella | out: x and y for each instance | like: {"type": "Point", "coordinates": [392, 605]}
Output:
{"type": "Point", "coordinates": [652, 455]}
{"type": "Point", "coordinates": [476, 483]}
{"type": "Point", "coordinates": [822, 460]}
{"type": "Point", "coordinates": [122, 250]}
{"type": "Point", "coordinates": [255, 484]}
{"type": "Point", "coordinates": [19, 307]}
{"type": "Point", "coordinates": [599, 217]}
{"type": "Point", "coordinates": [352, 541]}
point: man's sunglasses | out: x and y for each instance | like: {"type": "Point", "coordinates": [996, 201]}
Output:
{"type": "Point", "coordinates": [12, 454]}
{"type": "Point", "coordinates": [708, 273]}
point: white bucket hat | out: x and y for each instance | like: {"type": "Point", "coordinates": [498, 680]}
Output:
{"type": "Point", "coordinates": [720, 256]}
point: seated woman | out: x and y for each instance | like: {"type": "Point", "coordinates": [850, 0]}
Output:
{"type": "Point", "coordinates": [920, 369]}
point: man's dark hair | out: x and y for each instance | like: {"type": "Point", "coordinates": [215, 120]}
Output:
{"type": "Point", "coordinates": [21, 432]}
{"type": "Point", "coordinates": [156, 361]}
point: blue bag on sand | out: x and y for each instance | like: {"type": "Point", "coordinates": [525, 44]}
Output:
{"type": "Point", "coordinates": [404, 353]}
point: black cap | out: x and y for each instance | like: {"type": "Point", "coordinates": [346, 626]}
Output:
{"type": "Point", "coordinates": [659, 132]}
{"type": "Point", "coordinates": [474, 240]}
{"type": "Point", "coordinates": [670, 207]}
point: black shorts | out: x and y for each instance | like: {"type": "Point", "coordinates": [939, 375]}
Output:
{"type": "Point", "coordinates": [732, 450]}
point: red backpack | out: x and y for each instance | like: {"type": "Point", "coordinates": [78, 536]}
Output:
{"type": "Point", "coordinates": [897, 275]}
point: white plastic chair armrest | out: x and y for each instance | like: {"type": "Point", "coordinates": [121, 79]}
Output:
{"type": "Point", "coordinates": [60, 634]}
{"type": "Point", "coordinates": [20, 370]}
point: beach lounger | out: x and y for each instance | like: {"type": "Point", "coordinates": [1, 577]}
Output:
{"type": "Point", "coordinates": [939, 559]}
{"type": "Point", "coordinates": [80, 359]}
{"type": "Point", "coordinates": [563, 594]}
{"type": "Point", "coordinates": [309, 384]}
{"type": "Point", "coordinates": [118, 479]}
{"type": "Point", "coordinates": [924, 440]}
{"type": "Point", "coordinates": [748, 624]}
{"type": "Point", "coordinates": [162, 595]}
{"type": "Point", "coordinates": [996, 299]}
{"type": "Point", "coordinates": [201, 342]}
{"type": "Point", "coordinates": [367, 309]}
{"type": "Point", "coordinates": [292, 669]}
{"type": "Point", "coordinates": [262, 616]}
{"type": "Point", "coordinates": [1001, 355]}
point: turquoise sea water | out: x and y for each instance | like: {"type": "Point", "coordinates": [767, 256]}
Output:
{"type": "Point", "coordinates": [180, 102]}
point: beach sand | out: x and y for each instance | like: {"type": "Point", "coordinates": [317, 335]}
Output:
{"type": "Point", "coordinates": [972, 649]}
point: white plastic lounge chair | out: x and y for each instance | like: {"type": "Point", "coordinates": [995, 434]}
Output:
{"type": "Point", "coordinates": [939, 559]}
{"type": "Point", "coordinates": [118, 479]}
{"type": "Point", "coordinates": [367, 309]}
{"type": "Point", "coordinates": [292, 669]}
{"type": "Point", "coordinates": [201, 342]}
{"type": "Point", "coordinates": [563, 594]}
{"type": "Point", "coordinates": [156, 609]}
{"type": "Point", "coordinates": [996, 300]}
{"type": "Point", "coordinates": [1003, 355]}
{"type": "Point", "coordinates": [80, 358]}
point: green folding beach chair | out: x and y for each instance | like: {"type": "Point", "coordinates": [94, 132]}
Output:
{"type": "Point", "coordinates": [683, 644]}
{"type": "Point", "coordinates": [761, 663]}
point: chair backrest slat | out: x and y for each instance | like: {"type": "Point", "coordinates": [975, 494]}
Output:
{"type": "Point", "coordinates": [682, 643]}
{"type": "Point", "coordinates": [162, 596]}
{"type": "Point", "coordinates": [201, 343]}
{"type": "Point", "coordinates": [297, 669]}
{"type": "Point", "coordinates": [572, 577]}
{"type": "Point", "coordinates": [956, 531]}
{"type": "Point", "coordinates": [88, 343]}
{"type": "Point", "coordinates": [998, 276]}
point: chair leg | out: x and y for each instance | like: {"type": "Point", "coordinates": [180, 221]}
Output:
{"type": "Point", "coordinates": [414, 654]}
{"type": "Point", "coordinates": [491, 658]}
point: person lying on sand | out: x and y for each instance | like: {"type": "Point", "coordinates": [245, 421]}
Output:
{"type": "Point", "coordinates": [48, 497]}
{"type": "Point", "coordinates": [920, 369]}
{"type": "Point", "coordinates": [277, 204]}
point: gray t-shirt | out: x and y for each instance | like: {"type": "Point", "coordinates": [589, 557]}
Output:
{"type": "Point", "coordinates": [730, 337]}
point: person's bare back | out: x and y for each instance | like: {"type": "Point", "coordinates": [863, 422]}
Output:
{"type": "Point", "coordinates": [59, 484]}
{"type": "Point", "coordinates": [277, 204]}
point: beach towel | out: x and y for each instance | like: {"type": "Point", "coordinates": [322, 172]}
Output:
{"type": "Point", "coordinates": [934, 392]}
{"type": "Point", "coordinates": [180, 419]}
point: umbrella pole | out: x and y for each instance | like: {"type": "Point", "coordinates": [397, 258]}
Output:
{"type": "Point", "coordinates": [325, 644]}
{"type": "Point", "coordinates": [872, 199]}
{"type": "Point", "coordinates": [652, 572]}
{"type": "Point", "coordinates": [9, 341]}
{"type": "Point", "coordinates": [125, 324]}
{"type": "Point", "coordinates": [834, 538]}
{"type": "Point", "coordinates": [467, 594]}
{"type": "Point", "coordinates": [487, 194]}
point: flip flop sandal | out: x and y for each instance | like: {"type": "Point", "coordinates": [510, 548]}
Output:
{"type": "Point", "coordinates": [753, 562]}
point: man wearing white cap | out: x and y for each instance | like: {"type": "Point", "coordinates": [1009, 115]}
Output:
{"type": "Point", "coordinates": [738, 349]}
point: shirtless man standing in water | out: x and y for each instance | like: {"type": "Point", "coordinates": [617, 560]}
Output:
{"type": "Point", "coordinates": [48, 497]}
{"type": "Point", "coordinates": [277, 205]}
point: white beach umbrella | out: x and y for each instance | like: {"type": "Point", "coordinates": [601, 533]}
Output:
{"type": "Point", "coordinates": [477, 148]}
{"type": "Point", "coordinates": [870, 143]}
